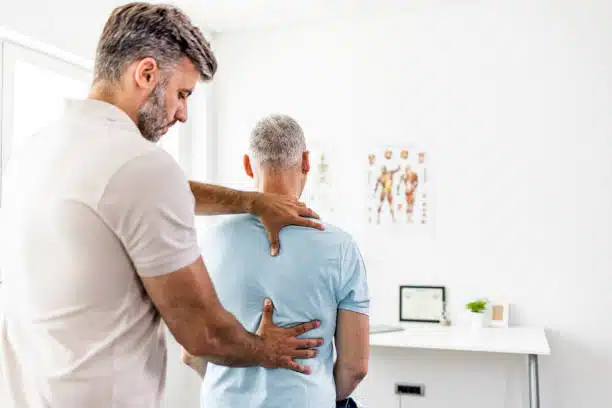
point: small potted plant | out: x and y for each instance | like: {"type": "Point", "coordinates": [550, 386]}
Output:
{"type": "Point", "coordinates": [477, 310]}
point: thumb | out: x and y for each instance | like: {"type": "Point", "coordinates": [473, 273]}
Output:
{"type": "Point", "coordinates": [266, 317]}
{"type": "Point", "coordinates": [274, 242]}
{"type": "Point", "coordinates": [268, 311]}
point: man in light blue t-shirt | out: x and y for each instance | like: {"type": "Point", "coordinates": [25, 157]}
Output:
{"type": "Point", "coordinates": [317, 275]}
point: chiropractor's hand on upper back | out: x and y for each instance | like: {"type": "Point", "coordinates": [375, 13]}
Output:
{"type": "Point", "coordinates": [282, 345]}
{"type": "Point", "coordinates": [277, 211]}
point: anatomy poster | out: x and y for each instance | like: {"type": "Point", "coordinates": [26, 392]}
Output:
{"type": "Point", "coordinates": [318, 191]}
{"type": "Point", "coordinates": [397, 186]}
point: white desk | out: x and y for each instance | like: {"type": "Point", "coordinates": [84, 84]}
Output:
{"type": "Point", "coordinates": [512, 340]}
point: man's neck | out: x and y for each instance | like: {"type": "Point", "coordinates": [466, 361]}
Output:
{"type": "Point", "coordinates": [281, 184]}
{"type": "Point", "coordinates": [107, 93]}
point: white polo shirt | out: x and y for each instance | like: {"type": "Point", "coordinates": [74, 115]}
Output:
{"type": "Point", "coordinates": [90, 205]}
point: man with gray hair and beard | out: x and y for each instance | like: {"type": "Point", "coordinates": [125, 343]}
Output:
{"type": "Point", "coordinates": [101, 238]}
{"type": "Point", "coordinates": [316, 275]}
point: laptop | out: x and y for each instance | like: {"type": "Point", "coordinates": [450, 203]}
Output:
{"type": "Point", "coordinates": [384, 328]}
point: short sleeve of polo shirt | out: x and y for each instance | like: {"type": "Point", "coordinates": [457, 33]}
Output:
{"type": "Point", "coordinates": [353, 293]}
{"type": "Point", "coordinates": [149, 206]}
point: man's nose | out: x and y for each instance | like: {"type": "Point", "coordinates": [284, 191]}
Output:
{"type": "Point", "coordinates": [181, 114]}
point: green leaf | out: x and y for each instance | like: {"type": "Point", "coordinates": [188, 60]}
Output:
{"type": "Point", "coordinates": [477, 306]}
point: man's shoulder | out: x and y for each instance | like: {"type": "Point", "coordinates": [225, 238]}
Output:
{"type": "Point", "coordinates": [226, 223]}
{"type": "Point", "coordinates": [115, 140]}
{"type": "Point", "coordinates": [247, 225]}
{"type": "Point", "coordinates": [228, 227]}
{"type": "Point", "coordinates": [247, 221]}
{"type": "Point", "coordinates": [332, 233]}
{"type": "Point", "coordinates": [103, 147]}
{"type": "Point", "coordinates": [150, 178]}
{"type": "Point", "coordinates": [149, 169]}
{"type": "Point", "coordinates": [329, 243]}
{"type": "Point", "coordinates": [153, 157]}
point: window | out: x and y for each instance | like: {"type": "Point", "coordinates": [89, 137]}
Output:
{"type": "Point", "coordinates": [34, 89]}
{"type": "Point", "coordinates": [38, 98]}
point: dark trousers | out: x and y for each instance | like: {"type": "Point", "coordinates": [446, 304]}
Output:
{"type": "Point", "coordinates": [346, 403]}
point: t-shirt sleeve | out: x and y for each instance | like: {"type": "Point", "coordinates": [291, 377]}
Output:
{"type": "Point", "coordinates": [354, 293]}
{"type": "Point", "coordinates": [149, 206]}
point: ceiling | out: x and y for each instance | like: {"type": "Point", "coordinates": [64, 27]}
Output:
{"type": "Point", "coordinates": [74, 25]}
{"type": "Point", "coordinates": [229, 15]}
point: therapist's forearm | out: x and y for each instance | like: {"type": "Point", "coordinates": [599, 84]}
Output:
{"type": "Point", "coordinates": [222, 340]}
{"type": "Point", "coordinates": [211, 199]}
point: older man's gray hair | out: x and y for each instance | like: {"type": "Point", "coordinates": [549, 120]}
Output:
{"type": "Point", "coordinates": [138, 30]}
{"type": "Point", "coordinates": [277, 141]}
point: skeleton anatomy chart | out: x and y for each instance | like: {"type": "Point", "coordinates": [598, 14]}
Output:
{"type": "Point", "coordinates": [397, 186]}
{"type": "Point", "coordinates": [318, 190]}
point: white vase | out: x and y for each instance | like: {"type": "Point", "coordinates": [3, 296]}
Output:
{"type": "Point", "coordinates": [479, 320]}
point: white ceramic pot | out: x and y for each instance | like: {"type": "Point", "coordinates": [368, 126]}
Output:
{"type": "Point", "coordinates": [479, 320]}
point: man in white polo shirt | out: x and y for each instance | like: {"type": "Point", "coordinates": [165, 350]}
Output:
{"type": "Point", "coordinates": [101, 243]}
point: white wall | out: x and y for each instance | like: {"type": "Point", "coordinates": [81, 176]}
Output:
{"type": "Point", "coordinates": [71, 25]}
{"type": "Point", "coordinates": [513, 101]}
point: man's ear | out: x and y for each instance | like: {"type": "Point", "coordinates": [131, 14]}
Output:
{"type": "Point", "coordinates": [305, 162]}
{"type": "Point", "coordinates": [147, 74]}
{"type": "Point", "coordinates": [246, 161]}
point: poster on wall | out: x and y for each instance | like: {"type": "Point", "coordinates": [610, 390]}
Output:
{"type": "Point", "coordinates": [397, 186]}
{"type": "Point", "coordinates": [318, 191]}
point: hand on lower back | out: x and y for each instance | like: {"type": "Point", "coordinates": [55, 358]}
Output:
{"type": "Point", "coordinates": [282, 345]}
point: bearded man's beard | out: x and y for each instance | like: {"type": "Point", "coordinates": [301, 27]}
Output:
{"type": "Point", "coordinates": [152, 116]}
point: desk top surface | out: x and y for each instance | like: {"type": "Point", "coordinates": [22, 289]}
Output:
{"type": "Point", "coordinates": [513, 340]}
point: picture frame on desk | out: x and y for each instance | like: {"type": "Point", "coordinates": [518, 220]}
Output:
{"type": "Point", "coordinates": [500, 314]}
{"type": "Point", "coordinates": [421, 304]}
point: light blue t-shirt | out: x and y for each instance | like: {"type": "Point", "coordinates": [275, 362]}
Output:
{"type": "Point", "coordinates": [315, 274]}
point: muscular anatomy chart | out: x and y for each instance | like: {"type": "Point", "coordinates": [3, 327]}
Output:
{"type": "Point", "coordinates": [397, 186]}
